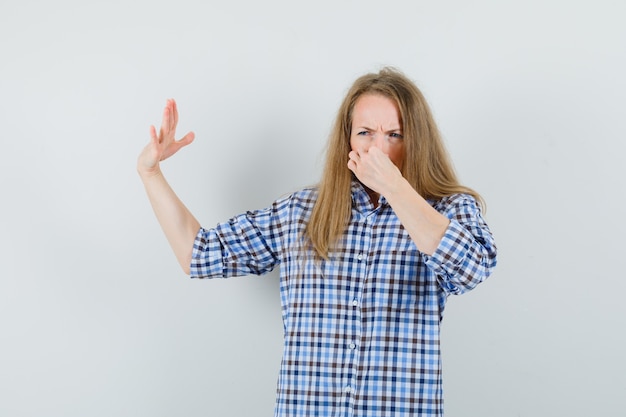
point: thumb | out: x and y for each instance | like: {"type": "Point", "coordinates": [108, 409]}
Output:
{"type": "Point", "coordinates": [186, 140]}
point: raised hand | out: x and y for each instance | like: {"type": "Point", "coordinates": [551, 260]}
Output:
{"type": "Point", "coordinates": [164, 144]}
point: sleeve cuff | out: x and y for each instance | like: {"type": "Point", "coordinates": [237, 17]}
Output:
{"type": "Point", "coordinates": [451, 253]}
{"type": "Point", "coordinates": [206, 260]}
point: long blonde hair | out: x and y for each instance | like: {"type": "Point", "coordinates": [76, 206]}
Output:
{"type": "Point", "coordinates": [426, 166]}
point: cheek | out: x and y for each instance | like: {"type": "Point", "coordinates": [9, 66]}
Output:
{"type": "Point", "coordinates": [356, 144]}
{"type": "Point", "coordinates": [397, 156]}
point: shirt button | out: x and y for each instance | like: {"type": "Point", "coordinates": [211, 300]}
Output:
{"type": "Point", "coordinates": [360, 257]}
{"type": "Point", "coordinates": [355, 303]}
{"type": "Point", "coordinates": [352, 345]}
{"type": "Point", "coordinates": [347, 390]}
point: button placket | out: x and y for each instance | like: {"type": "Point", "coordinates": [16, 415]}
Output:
{"type": "Point", "coordinates": [353, 336]}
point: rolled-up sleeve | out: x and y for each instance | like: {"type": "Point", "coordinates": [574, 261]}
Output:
{"type": "Point", "coordinates": [248, 244]}
{"type": "Point", "coordinates": [467, 252]}
{"type": "Point", "coordinates": [207, 256]}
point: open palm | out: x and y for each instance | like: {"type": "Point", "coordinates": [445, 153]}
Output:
{"type": "Point", "coordinates": [164, 144]}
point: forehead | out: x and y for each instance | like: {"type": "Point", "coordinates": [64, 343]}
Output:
{"type": "Point", "coordinates": [375, 109]}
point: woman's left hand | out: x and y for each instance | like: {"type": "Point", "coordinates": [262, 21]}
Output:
{"type": "Point", "coordinates": [374, 169]}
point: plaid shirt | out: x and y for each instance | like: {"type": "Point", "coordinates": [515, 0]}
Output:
{"type": "Point", "coordinates": [361, 331]}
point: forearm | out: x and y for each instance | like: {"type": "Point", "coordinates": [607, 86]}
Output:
{"type": "Point", "coordinates": [178, 224]}
{"type": "Point", "coordinates": [425, 225]}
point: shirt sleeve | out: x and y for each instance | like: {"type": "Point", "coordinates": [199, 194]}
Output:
{"type": "Point", "coordinates": [467, 252]}
{"type": "Point", "coordinates": [247, 244]}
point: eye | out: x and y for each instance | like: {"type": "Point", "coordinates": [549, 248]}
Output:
{"type": "Point", "coordinates": [395, 138]}
{"type": "Point", "coordinates": [363, 133]}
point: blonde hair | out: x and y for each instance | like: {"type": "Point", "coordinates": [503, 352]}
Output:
{"type": "Point", "coordinates": [426, 166]}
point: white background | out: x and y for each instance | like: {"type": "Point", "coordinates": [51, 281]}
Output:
{"type": "Point", "coordinates": [97, 319]}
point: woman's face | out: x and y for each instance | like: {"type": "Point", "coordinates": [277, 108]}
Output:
{"type": "Point", "coordinates": [376, 122]}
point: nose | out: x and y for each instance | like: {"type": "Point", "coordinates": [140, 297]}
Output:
{"type": "Point", "coordinates": [380, 141]}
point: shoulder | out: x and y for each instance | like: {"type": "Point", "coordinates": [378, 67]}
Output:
{"type": "Point", "coordinates": [303, 198]}
{"type": "Point", "coordinates": [295, 205]}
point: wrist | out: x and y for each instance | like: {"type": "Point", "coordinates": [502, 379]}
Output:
{"type": "Point", "coordinates": [148, 173]}
{"type": "Point", "coordinates": [397, 186]}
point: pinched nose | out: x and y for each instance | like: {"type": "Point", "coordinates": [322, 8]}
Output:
{"type": "Point", "coordinates": [381, 142]}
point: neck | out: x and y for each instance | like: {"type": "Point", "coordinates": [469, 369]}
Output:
{"type": "Point", "coordinates": [374, 196]}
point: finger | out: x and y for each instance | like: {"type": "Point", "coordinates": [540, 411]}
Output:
{"type": "Point", "coordinates": [187, 139]}
{"type": "Point", "coordinates": [153, 135]}
{"type": "Point", "coordinates": [377, 151]}
{"type": "Point", "coordinates": [165, 122]}
{"type": "Point", "coordinates": [171, 122]}
{"type": "Point", "coordinates": [174, 113]}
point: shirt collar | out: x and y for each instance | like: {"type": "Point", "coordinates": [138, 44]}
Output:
{"type": "Point", "coordinates": [361, 200]}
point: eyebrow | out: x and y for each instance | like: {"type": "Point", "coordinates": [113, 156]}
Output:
{"type": "Point", "coordinates": [398, 129]}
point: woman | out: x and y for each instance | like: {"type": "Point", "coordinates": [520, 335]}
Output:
{"type": "Point", "coordinates": [368, 257]}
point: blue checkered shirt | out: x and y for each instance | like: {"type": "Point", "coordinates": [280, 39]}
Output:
{"type": "Point", "coordinates": [361, 330]}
